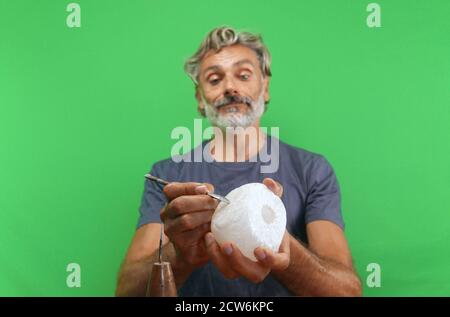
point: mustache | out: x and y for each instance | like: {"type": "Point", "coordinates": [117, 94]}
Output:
{"type": "Point", "coordinates": [233, 99]}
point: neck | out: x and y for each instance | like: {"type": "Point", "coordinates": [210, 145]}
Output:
{"type": "Point", "coordinates": [237, 145]}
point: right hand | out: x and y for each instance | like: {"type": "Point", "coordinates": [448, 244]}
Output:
{"type": "Point", "coordinates": [187, 218]}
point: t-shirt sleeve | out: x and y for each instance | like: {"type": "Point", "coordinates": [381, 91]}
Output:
{"type": "Point", "coordinates": [153, 199]}
{"type": "Point", "coordinates": [324, 197]}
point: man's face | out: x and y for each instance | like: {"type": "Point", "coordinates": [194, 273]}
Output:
{"type": "Point", "coordinates": [232, 90]}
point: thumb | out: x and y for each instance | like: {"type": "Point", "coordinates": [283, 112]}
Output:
{"type": "Point", "coordinates": [204, 188]}
{"type": "Point", "coordinates": [274, 186]}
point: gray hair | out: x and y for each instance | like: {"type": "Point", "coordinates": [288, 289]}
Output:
{"type": "Point", "coordinates": [222, 37]}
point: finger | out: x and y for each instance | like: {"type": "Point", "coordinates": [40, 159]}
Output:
{"type": "Point", "coordinates": [189, 221]}
{"type": "Point", "coordinates": [175, 189]}
{"type": "Point", "coordinates": [273, 260]}
{"type": "Point", "coordinates": [191, 237]}
{"type": "Point", "coordinates": [274, 186]}
{"type": "Point", "coordinates": [195, 254]}
{"type": "Point", "coordinates": [285, 243]}
{"type": "Point", "coordinates": [217, 258]}
{"type": "Point", "coordinates": [188, 204]}
{"type": "Point", "coordinates": [253, 271]}
{"type": "Point", "coordinates": [210, 187]}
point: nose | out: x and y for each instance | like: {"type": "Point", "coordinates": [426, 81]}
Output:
{"type": "Point", "coordinates": [230, 88]}
{"type": "Point", "coordinates": [230, 92]}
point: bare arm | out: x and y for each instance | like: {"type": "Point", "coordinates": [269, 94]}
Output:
{"type": "Point", "coordinates": [325, 269]}
{"type": "Point", "coordinates": [142, 253]}
{"type": "Point", "coordinates": [187, 218]}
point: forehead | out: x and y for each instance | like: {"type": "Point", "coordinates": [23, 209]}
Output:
{"type": "Point", "coordinates": [228, 57]}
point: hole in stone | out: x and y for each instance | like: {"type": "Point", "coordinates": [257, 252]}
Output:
{"type": "Point", "coordinates": [268, 214]}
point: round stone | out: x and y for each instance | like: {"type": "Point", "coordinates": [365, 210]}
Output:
{"type": "Point", "coordinates": [255, 217]}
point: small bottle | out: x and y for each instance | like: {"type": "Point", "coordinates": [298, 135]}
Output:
{"type": "Point", "coordinates": [161, 282]}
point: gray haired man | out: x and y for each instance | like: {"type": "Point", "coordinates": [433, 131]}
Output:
{"type": "Point", "coordinates": [231, 73]}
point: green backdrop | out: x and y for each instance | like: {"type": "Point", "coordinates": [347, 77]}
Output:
{"type": "Point", "coordinates": [84, 112]}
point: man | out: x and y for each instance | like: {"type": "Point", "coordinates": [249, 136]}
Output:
{"type": "Point", "coordinates": [231, 72]}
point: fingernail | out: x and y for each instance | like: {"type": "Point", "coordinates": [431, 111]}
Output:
{"type": "Point", "coordinates": [228, 249]}
{"type": "Point", "coordinates": [209, 239]}
{"type": "Point", "coordinates": [260, 255]}
{"type": "Point", "coordinates": [201, 189]}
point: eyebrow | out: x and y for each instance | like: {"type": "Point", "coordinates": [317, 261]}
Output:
{"type": "Point", "coordinates": [238, 63]}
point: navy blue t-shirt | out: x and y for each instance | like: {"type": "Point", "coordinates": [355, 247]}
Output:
{"type": "Point", "coordinates": [310, 192]}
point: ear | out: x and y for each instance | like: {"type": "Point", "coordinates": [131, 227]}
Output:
{"type": "Point", "coordinates": [266, 83]}
{"type": "Point", "coordinates": [201, 105]}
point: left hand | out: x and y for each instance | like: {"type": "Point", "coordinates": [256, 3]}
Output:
{"type": "Point", "coordinates": [233, 264]}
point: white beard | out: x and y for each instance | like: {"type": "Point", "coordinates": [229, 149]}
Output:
{"type": "Point", "coordinates": [235, 119]}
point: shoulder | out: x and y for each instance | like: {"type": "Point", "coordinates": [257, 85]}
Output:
{"type": "Point", "coordinates": [301, 156]}
{"type": "Point", "coordinates": [309, 165]}
{"type": "Point", "coordinates": [172, 168]}
{"type": "Point", "coordinates": [162, 165]}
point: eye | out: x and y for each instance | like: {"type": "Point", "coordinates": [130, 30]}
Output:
{"type": "Point", "coordinates": [244, 76]}
{"type": "Point", "coordinates": [214, 81]}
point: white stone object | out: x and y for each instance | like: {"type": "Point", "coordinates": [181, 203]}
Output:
{"type": "Point", "coordinates": [255, 217]}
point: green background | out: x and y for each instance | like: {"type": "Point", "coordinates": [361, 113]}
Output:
{"type": "Point", "coordinates": [85, 112]}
